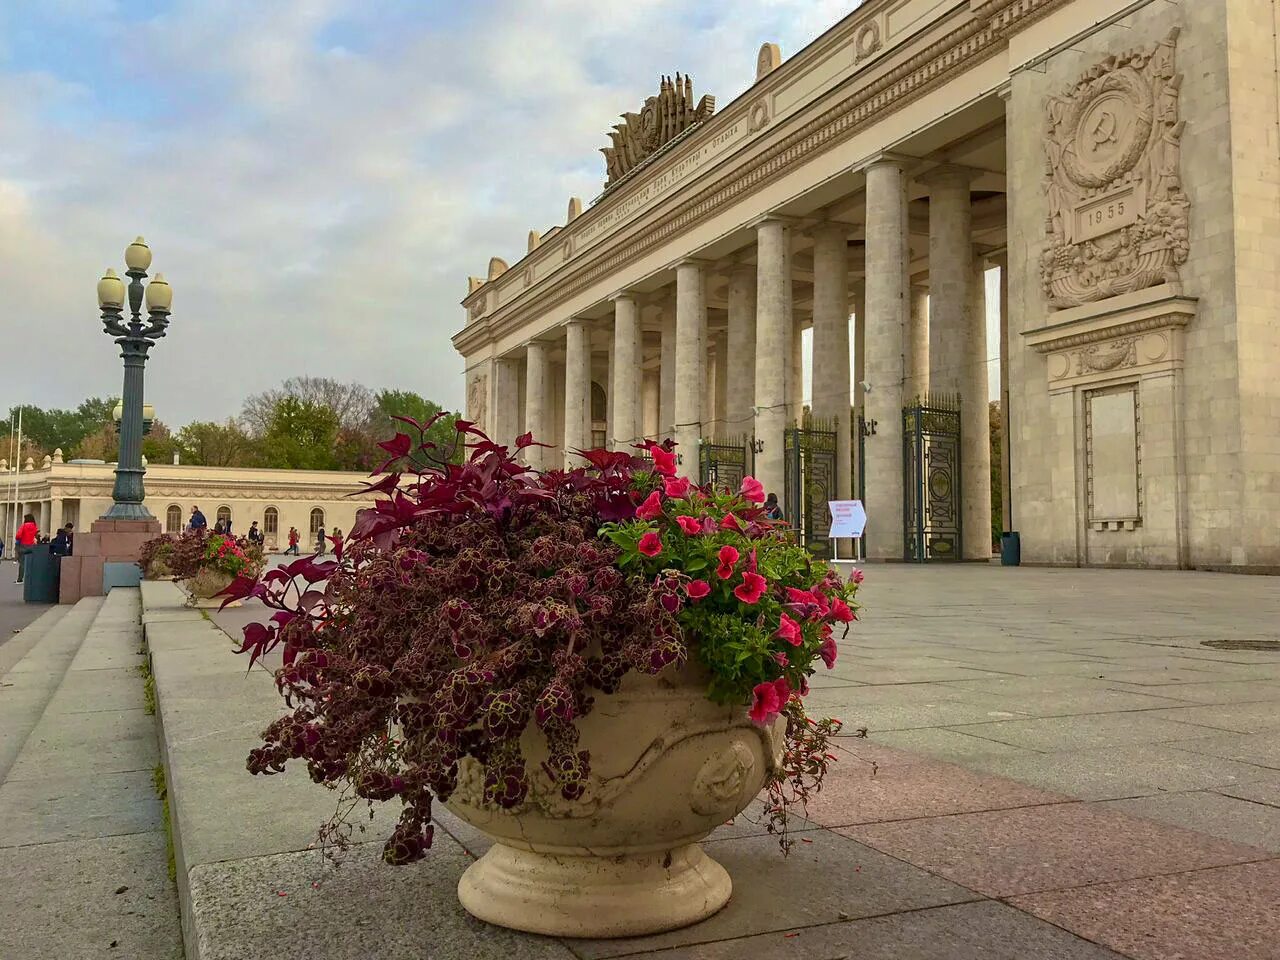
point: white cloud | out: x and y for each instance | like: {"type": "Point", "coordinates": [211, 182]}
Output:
{"type": "Point", "coordinates": [316, 200]}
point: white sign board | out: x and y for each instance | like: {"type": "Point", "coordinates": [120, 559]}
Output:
{"type": "Point", "coordinates": [848, 518]}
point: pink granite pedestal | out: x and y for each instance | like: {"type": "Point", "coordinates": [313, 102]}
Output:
{"type": "Point", "coordinates": [108, 541]}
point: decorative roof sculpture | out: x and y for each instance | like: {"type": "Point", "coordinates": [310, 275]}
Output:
{"type": "Point", "coordinates": [661, 119]}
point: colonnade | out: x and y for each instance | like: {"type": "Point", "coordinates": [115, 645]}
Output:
{"type": "Point", "coordinates": [669, 374]}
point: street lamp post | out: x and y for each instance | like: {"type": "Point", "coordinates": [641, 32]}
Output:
{"type": "Point", "coordinates": [135, 337]}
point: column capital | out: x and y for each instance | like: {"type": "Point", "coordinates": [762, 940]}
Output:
{"type": "Point", "coordinates": [775, 218]}
{"type": "Point", "coordinates": [632, 295]}
{"type": "Point", "coordinates": [948, 173]}
{"type": "Point", "coordinates": [884, 158]}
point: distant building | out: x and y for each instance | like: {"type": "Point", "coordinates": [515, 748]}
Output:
{"type": "Point", "coordinates": [79, 492]}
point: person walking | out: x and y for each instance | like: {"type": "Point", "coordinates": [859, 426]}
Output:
{"type": "Point", "coordinates": [293, 541]}
{"type": "Point", "coordinates": [24, 540]}
{"type": "Point", "coordinates": [255, 535]}
{"type": "Point", "coordinates": [198, 522]}
{"type": "Point", "coordinates": [320, 545]}
{"type": "Point", "coordinates": [772, 509]}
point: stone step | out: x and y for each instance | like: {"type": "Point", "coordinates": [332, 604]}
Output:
{"type": "Point", "coordinates": [29, 684]}
{"type": "Point", "coordinates": [82, 839]}
{"type": "Point", "coordinates": [17, 647]}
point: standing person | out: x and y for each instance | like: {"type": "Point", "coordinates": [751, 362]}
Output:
{"type": "Point", "coordinates": [198, 522]}
{"type": "Point", "coordinates": [219, 527]}
{"type": "Point", "coordinates": [320, 547]}
{"type": "Point", "coordinates": [226, 528]}
{"type": "Point", "coordinates": [772, 509]}
{"type": "Point", "coordinates": [293, 541]}
{"type": "Point", "coordinates": [70, 529]}
{"type": "Point", "coordinates": [24, 540]}
{"type": "Point", "coordinates": [255, 535]}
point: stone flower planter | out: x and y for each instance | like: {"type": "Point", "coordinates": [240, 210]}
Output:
{"type": "Point", "coordinates": [668, 767]}
{"type": "Point", "coordinates": [205, 586]}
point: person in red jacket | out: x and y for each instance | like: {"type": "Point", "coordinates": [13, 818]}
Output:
{"type": "Point", "coordinates": [25, 539]}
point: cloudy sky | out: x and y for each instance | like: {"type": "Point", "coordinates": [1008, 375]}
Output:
{"type": "Point", "coordinates": [316, 178]}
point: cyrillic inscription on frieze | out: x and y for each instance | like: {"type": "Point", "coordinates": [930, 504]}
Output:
{"type": "Point", "coordinates": [1117, 217]}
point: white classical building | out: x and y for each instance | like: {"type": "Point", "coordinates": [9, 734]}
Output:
{"type": "Point", "coordinates": [79, 492]}
{"type": "Point", "coordinates": [1116, 159]}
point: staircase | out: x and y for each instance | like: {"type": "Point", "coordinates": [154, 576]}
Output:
{"type": "Point", "coordinates": [83, 856]}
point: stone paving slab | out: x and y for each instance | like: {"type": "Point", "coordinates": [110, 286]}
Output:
{"type": "Point", "coordinates": [1113, 772]}
{"type": "Point", "coordinates": [984, 930]}
{"type": "Point", "coordinates": [1265, 789]}
{"type": "Point", "coordinates": [1260, 749]}
{"type": "Point", "coordinates": [903, 716]}
{"type": "Point", "coordinates": [1217, 691]}
{"type": "Point", "coordinates": [295, 905]}
{"type": "Point", "coordinates": [1068, 703]}
{"type": "Point", "coordinates": [946, 744]}
{"type": "Point", "coordinates": [1236, 717]}
{"type": "Point", "coordinates": [828, 877]}
{"type": "Point", "coordinates": [90, 744]}
{"type": "Point", "coordinates": [1084, 732]}
{"type": "Point", "coordinates": [73, 808]}
{"type": "Point", "coordinates": [43, 883]}
{"type": "Point", "coordinates": [1229, 913]}
{"type": "Point", "coordinates": [1213, 813]}
{"type": "Point", "coordinates": [1030, 849]}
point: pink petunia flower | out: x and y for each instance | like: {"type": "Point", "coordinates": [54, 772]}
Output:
{"type": "Point", "coordinates": [689, 525]}
{"type": "Point", "coordinates": [650, 544]}
{"type": "Point", "coordinates": [730, 522]}
{"type": "Point", "coordinates": [828, 652]}
{"type": "Point", "coordinates": [651, 509]}
{"type": "Point", "coordinates": [751, 589]}
{"type": "Point", "coordinates": [664, 462]}
{"type": "Point", "coordinates": [728, 557]}
{"type": "Point", "coordinates": [697, 589]}
{"type": "Point", "coordinates": [709, 525]}
{"type": "Point", "coordinates": [856, 576]}
{"type": "Point", "coordinates": [840, 611]}
{"type": "Point", "coordinates": [753, 489]}
{"type": "Point", "coordinates": [677, 487]}
{"type": "Point", "coordinates": [789, 631]}
{"type": "Point", "coordinates": [765, 704]}
{"type": "Point", "coordinates": [780, 659]}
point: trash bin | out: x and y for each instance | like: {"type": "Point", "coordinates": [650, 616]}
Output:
{"type": "Point", "coordinates": [1010, 549]}
{"type": "Point", "coordinates": [40, 581]}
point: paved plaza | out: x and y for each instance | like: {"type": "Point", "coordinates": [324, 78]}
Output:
{"type": "Point", "coordinates": [1054, 766]}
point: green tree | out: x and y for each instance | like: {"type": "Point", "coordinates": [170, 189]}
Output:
{"type": "Point", "coordinates": [210, 444]}
{"type": "Point", "coordinates": [406, 403]}
{"type": "Point", "coordinates": [55, 429]}
{"type": "Point", "coordinates": [300, 435]}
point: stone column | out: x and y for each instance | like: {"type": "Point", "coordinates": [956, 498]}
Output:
{"type": "Point", "coordinates": [918, 344]}
{"type": "Point", "coordinates": [650, 402]}
{"type": "Point", "coordinates": [577, 389]}
{"type": "Point", "coordinates": [859, 372]}
{"type": "Point", "coordinates": [43, 518]}
{"type": "Point", "coordinates": [691, 364]}
{"type": "Point", "coordinates": [55, 514]}
{"type": "Point", "coordinates": [667, 360]}
{"type": "Point", "coordinates": [886, 309]}
{"type": "Point", "coordinates": [625, 388]}
{"type": "Point", "coordinates": [720, 396]}
{"type": "Point", "coordinates": [506, 400]}
{"type": "Point", "coordinates": [795, 383]}
{"type": "Point", "coordinates": [1006, 478]}
{"type": "Point", "coordinates": [741, 386]}
{"type": "Point", "coordinates": [950, 276]}
{"type": "Point", "coordinates": [773, 351]}
{"type": "Point", "coordinates": [975, 421]}
{"type": "Point", "coordinates": [832, 397]}
{"type": "Point", "coordinates": [537, 401]}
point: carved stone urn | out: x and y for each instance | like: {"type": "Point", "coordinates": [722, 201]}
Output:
{"type": "Point", "coordinates": [668, 766]}
{"type": "Point", "coordinates": [203, 589]}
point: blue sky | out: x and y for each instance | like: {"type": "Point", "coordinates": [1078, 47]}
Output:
{"type": "Point", "coordinates": [316, 178]}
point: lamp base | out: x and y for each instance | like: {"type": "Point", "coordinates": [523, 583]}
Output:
{"type": "Point", "coordinates": [127, 511]}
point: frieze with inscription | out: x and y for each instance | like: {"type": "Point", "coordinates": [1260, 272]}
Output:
{"type": "Point", "coordinates": [1117, 217]}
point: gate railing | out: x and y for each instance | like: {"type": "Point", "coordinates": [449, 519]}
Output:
{"type": "Point", "coordinates": [810, 482]}
{"type": "Point", "coordinates": [723, 462]}
{"type": "Point", "coordinates": [931, 479]}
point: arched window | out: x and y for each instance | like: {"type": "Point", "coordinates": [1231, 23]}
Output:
{"type": "Point", "coordinates": [270, 522]}
{"type": "Point", "coordinates": [173, 519]}
{"type": "Point", "coordinates": [224, 514]}
{"type": "Point", "coordinates": [599, 416]}
{"type": "Point", "coordinates": [317, 520]}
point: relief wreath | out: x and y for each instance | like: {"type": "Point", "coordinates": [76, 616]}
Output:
{"type": "Point", "coordinates": [596, 667]}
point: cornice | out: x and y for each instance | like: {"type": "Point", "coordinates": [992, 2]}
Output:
{"type": "Point", "coordinates": [969, 44]}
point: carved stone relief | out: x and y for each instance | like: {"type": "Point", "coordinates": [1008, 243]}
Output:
{"type": "Point", "coordinates": [1117, 218]}
{"type": "Point", "coordinates": [478, 399]}
{"type": "Point", "coordinates": [660, 120]}
{"type": "Point", "coordinates": [867, 41]}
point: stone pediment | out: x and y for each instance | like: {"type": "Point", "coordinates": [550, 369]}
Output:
{"type": "Point", "coordinates": [662, 118]}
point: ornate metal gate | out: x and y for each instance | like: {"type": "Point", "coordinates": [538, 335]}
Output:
{"type": "Point", "coordinates": [810, 483]}
{"type": "Point", "coordinates": [931, 479]}
{"type": "Point", "coordinates": [725, 462]}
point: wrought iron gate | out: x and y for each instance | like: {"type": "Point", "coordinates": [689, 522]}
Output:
{"type": "Point", "coordinates": [725, 462]}
{"type": "Point", "coordinates": [931, 479]}
{"type": "Point", "coordinates": [810, 452]}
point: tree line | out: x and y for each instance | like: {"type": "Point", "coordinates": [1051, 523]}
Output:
{"type": "Point", "coordinates": [307, 423]}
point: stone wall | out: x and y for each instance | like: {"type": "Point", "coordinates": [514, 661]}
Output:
{"type": "Point", "coordinates": [1206, 421]}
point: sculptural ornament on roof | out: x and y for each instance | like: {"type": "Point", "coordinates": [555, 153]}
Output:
{"type": "Point", "coordinates": [660, 120]}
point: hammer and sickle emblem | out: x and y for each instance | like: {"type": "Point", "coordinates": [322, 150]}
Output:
{"type": "Point", "coordinates": [1104, 129]}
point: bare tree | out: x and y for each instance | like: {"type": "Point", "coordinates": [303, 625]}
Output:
{"type": "Point", "coordinates": [352, 403]}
